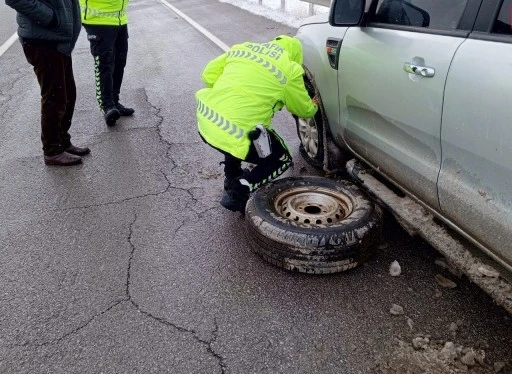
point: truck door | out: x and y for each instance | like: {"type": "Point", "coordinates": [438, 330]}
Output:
{"type": "Point", "coordinates": [475, 183]}
{"type": "Point", "coordinates": [392, 74]}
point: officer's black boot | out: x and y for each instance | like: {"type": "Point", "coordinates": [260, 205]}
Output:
{"type": "Point", "coordinates": [111, 115]}
{"type": "Point", "coordinates": [124, 111]}
{"type": "Point", "coordinates": [229, 180]}
{"type": "Point", "coordinates": [235, 196]}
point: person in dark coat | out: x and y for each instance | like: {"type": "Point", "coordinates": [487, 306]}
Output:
{"type": "Point", "coordinates": [48, 31]}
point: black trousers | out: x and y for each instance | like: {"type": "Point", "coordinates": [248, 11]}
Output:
{"type": "Point", "coordinates": [109, 47]}
{"type": "Point", "coordinates": [54, 72]}
{"type": "Point", "coordinates": [266, 169]}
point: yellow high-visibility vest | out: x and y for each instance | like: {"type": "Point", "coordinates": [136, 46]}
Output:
{"type": "Point", "coordinates": [245, 86]}
{"type": "Point", "coordinates": [104, 12]}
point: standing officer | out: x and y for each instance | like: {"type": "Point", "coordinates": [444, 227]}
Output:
{"type": "Point", "coordinates": [106, 23]}
{"type": "Point", "coordinates": [244, 88]}
{"type": "Point", "coordinates": [48, 31]}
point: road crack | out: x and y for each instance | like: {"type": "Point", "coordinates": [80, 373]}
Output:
{"type": "Point", "coordinates": [207, 343]}
{"type": "Point", "coordinates": [72, 332]}
{"type": "Point", "coordinates": [160, 121]}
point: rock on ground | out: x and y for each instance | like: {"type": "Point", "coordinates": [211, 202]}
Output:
{"type": "Point", "coordinates": [423, 356]}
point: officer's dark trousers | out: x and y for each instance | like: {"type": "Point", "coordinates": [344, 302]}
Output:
{"type": "Point", "coordinates": [109, 47]}
{"type": "Point", "coordinates": [54, 73]}
{"type": "Point", "coordinates": [266, 169]}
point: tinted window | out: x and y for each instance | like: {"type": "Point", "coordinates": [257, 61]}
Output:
{"type": "Point", "coordinates": [503, 24]}
{"type": "Point", "coordinates": [434, 14]}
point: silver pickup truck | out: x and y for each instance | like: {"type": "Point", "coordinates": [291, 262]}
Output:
{"type": "Point", "coordinates": [420, 92]}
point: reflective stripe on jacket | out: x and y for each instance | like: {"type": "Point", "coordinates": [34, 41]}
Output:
{"type": "Point", "coordinates": [244, 87]}
{"type": "Point", "coordinates": [104, 12]}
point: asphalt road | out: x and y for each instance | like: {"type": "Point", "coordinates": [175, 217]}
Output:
{"type": "Point", "coordinates": [7, 22]}
{"type": "Point", "coordinates": [127, 263]}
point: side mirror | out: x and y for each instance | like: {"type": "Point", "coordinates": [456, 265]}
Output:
{"type": "Point", "coordinates": [347, 12]}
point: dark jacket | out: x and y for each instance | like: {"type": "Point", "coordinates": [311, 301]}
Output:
{"type": "Point", "coordinates": [54, 21]}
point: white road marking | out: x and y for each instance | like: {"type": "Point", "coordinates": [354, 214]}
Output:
{"type": "Point", "coordinates": [8, 44]}
{"type": "Point", "coordinates": [197, 26]}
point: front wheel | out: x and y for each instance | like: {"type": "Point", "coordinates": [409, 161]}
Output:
{"type": "Point", "coordinates": [313, 225]}
{"type": "Point", "coordinates": [310, 132]}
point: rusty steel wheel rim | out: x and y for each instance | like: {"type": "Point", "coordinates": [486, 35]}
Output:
{"type": "Point", "coordinates": [313, 206]}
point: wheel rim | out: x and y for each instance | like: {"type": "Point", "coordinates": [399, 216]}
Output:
{"type": "Point", "coordinates": [315, 206]}
{"type": "Point", "coordinates": [308, 133]}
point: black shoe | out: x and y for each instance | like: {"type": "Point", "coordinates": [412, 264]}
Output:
{"type": "Point", "coordinates": [62, 159]}
{"type": "Point", "coordinates": [124, 111]}
{"type": "Point", "coordinates": [234, 203]}
{"type": "Point", "coordinates": [235, 198]}
{"type": "Point", "coordinates": [231, 182]}
{"type": "Point", "coordinates": [111, 115]}
{"type": "Point", "coordinates": [77, 151]}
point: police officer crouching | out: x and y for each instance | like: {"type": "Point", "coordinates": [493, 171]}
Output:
{"type": "Point", "coordinates": [245, 87]}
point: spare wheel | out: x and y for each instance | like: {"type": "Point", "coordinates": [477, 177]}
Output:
{"type": "Point", "coordinates": [313, 225]}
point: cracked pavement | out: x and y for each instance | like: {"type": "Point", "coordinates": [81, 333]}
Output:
{"type": "Point", "coordinates": [127, 263]}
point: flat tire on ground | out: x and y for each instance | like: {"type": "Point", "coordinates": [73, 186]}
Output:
{"type": "Point", "coordinates": [313, 225]}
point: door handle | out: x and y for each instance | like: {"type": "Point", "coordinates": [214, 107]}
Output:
{"type": "Point", "coordinates": [422, 71]}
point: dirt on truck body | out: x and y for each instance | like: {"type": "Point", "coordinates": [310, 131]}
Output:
{"type": "Point", "coordinates": [417, 220]}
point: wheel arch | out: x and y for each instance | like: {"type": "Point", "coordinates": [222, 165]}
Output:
{"type": "Point", "coordinates": [335, 154]}
{"type": "Point", "coordinates": [318, 68]}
